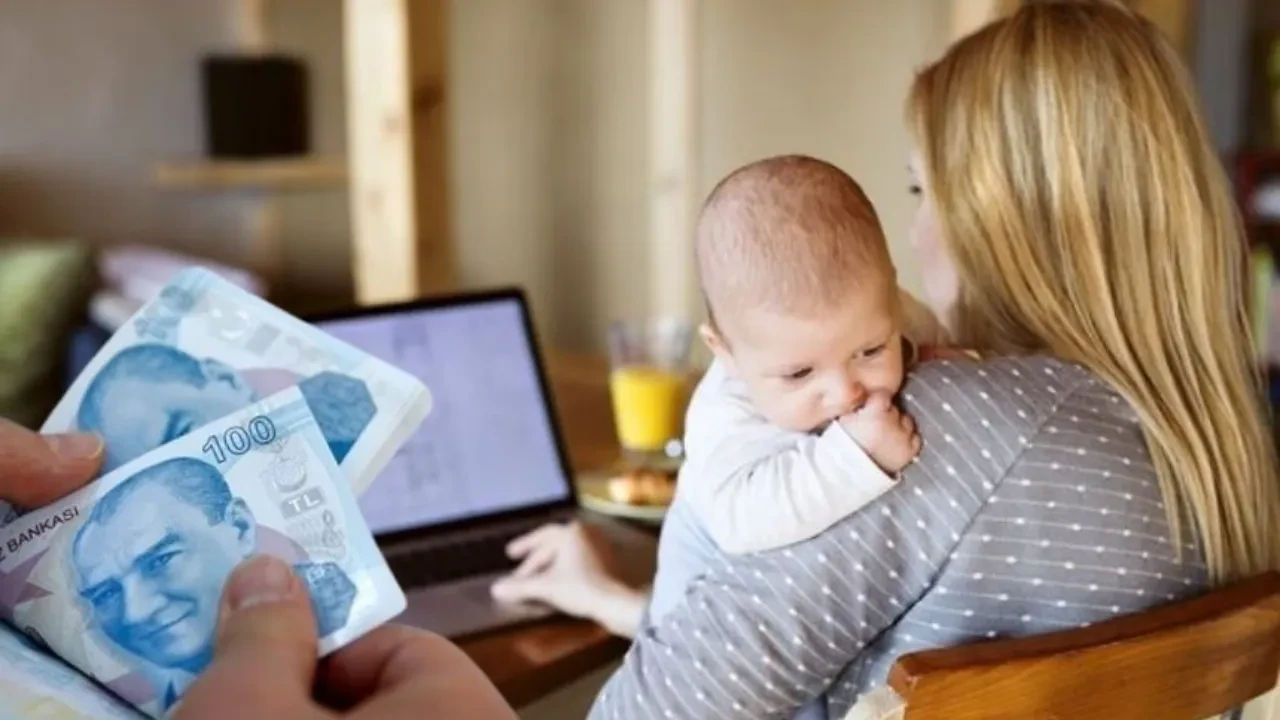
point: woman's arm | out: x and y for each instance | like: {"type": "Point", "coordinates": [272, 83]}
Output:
{"type": "Point", "coordinates": [570, 568]}
{"type": "Point", "coordinates": [619, 609]}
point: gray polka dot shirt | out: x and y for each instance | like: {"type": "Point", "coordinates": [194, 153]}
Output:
{"type": "Point", "coordinates": [1034, 507]}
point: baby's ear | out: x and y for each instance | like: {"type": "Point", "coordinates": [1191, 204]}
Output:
{"type": "Point", "coordinates": [715, 342]}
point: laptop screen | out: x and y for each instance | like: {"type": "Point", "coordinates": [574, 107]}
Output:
{"type": "Point", "coordinates": [488, 444]}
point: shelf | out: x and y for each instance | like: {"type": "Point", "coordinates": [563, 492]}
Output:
{"type": "Point", "coordinates": [276, 174]}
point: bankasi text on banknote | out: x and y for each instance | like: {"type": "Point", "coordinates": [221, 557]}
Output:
{"type": "Point", "coordinates": [122, 579]}
{"type": "Point", "coordinates": [203, 348]}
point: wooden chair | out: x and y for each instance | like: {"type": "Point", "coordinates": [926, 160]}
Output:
{"type": "Point", "coordinates": [1188, 660]}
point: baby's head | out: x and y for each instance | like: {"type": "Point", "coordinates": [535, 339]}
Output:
{"type": "Point", "coordinates": [800, 290]}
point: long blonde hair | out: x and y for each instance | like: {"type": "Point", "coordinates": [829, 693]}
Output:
{"type": "Point", "coordinates": [1088, 217]}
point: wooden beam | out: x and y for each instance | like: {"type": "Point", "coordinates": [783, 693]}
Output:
{"type": "Point", "coordinates": [428, 63]}
{"type": "Point", "coordinates": [673, 148]}
{"type": "Point", "coordinates": [380, 150]}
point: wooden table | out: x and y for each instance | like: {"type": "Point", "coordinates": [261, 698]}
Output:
{"type": "Point", "coordinates": [530, 661]}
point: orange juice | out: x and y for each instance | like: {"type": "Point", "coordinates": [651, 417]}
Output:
{"type": "Point", "coordinates": [648, 405]}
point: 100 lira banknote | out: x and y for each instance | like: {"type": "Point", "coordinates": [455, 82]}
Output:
{"type": "Point", "coordinates": [122, 579]}
{"type": "Point", "coordinates": [35, 685]}
{"type": "Point", "coordinates": [203, 348]}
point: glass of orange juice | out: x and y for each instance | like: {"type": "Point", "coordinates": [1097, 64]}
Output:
{"type": "Point", "coordinates": [649, 380]}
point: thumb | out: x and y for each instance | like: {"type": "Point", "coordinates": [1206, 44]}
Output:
{"type": "Point", "coordinates": [39, 469]}
{"type": "Point", "coordinates": [266, 623]}
{"type": "Point", "coordinates": [879, 401]}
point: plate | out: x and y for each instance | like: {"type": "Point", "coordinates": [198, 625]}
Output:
{"type": "Point", "coordinates": [593, 494]}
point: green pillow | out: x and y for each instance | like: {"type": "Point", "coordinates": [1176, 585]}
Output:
{"type": "Point", "coordinates": [44, 288]}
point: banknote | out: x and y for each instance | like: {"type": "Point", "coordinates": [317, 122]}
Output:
{"type": "Point", "coordinates": [122, 579]}
{"type": "Point", "coordinates": [203, 348]}
{"type": "Point", "coordinates": [35, 685]}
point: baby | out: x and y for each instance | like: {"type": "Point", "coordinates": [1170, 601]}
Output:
{"type": "Point", "coordinates": [794, 426]}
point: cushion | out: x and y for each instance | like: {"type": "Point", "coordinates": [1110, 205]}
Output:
{"type": "Point", "coordinates": [44, 289]}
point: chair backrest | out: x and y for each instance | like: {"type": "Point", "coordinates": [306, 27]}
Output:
{"type": "Point", "coordinates": [1192, 660]}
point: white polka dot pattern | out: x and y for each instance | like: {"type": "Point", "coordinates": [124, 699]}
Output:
{"type": "Point", "coordinates": [1033, 508]}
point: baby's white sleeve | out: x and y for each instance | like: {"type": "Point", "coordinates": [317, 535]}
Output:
{"type": "Point", "coordinates": [757, 487]}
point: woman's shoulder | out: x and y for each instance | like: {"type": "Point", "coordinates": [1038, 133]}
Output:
{"type": "Point", "coordinates": [1010, 398]}
{"type": "Point", "coordinates": [1038, 380]}
{"type": "Point", "coordinates": [1034, 379]}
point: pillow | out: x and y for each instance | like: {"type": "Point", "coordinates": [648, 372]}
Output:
{"type": "Point", "coordinates": [44, 288]}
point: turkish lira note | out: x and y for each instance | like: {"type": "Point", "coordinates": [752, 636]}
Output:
{"type": "Point", "coordinates": [122, 579]}
{"type": "Point", "coordinates": [203, 348]}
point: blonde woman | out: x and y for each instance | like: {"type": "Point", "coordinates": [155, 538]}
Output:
{"type": "Point", "coordinates": [1110, 455]}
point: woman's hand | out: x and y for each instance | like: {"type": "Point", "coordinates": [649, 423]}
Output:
{"type": "Point", "coordinates": [570, 568]}
{"type": "Point", "coordinates": [264, 665]}
{"type": "Point", "coordinates": [37, 469]}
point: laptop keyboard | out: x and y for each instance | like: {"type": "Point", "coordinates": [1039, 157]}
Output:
{"type": "Point", "coordinates": [468, 556]}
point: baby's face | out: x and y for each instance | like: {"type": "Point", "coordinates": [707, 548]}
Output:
{"type": "Point", "coordinates": [802, 372]}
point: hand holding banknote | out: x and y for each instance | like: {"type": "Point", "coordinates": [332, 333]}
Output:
{"type": "Point", "coordinates": [123, 578]}
{"type": "Point", "coordinates": [226, 430]}
{"type": "Point", "coordinates": [266, 623]}
{"type": "Point", "coordinates": [34, 470]}
{"type": "Point", "coordinates": [393, 673]}
{"type": "Point", "coordinates": [37, 469]}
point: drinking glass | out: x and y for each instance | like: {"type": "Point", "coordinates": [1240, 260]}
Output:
{"type": "Point", "coordinates": [650, 378]}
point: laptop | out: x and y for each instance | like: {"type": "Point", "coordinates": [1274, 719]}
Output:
{"type": "Point", "coordinates": [488, 463]}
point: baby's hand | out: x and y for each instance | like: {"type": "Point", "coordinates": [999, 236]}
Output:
{"type": "Point", "coordinates": [884, 432]}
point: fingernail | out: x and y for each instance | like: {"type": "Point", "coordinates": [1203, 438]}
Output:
{"type": "Point", "coordinates": [260, 580]}
{"type": "Point", "coordinates": [74, 446]}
